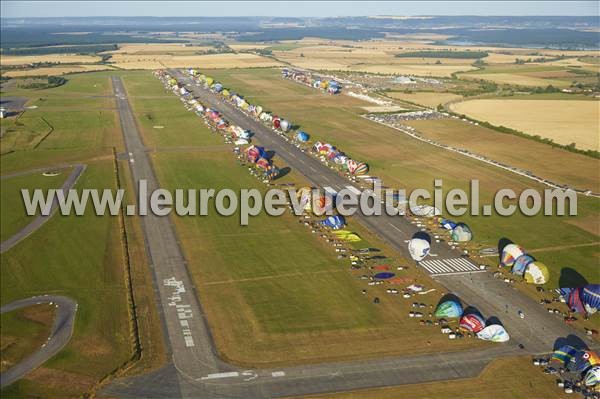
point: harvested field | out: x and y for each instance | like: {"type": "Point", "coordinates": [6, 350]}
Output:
{"type": "Point", "coordinates": [59, 70]}
{"type": "Point", "coordinates": [517, 79]}
{"type": "Point", "coordinates": [428, 99]}
{"type": "Point", "coordinates": [157, 48]}
{"type": "Point", "coordinates": [564, 122]}
{"type": "Point", "coordinates": [58, 58]}
{"type": "Point", "coordinates": [227, 60]}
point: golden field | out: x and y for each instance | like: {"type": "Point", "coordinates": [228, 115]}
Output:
{"type": "Point", "coordinates": [58, 70]}
{"type": "Point", "coordinates": [227, 60]}
{"type": "Point", "coordinates": [426, 98]}
{"type": "Point", "coordinates": [157, 48]}
{"type": "Point", "coordinates": [564, 121]}
{"type": "Point", "coordinates": [518, 79]}
{"type": "Point", "coordinates": [58, 58]}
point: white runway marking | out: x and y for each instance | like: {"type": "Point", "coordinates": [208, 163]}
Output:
{"type": "Point", "coordinates": [449, 266]}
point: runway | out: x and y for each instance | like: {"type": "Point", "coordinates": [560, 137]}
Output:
{"type": "Point", "coordinates": [62, 330]}
{"type": "Point", "coordinates": [199, 373]}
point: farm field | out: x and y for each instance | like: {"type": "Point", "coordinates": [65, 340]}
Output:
{"type": "Point", "coordinates": [226, 60]}
{"type": "Point", "coordinates": [157, 48]}
{"type": "Point", "coordinates": [403, 162]}
{"type": "Point", "coordinates": [13, 214]}
{"type": "Point", "coordinates": [514, 378]}
{"type": "Point", "coordinates": [564, 122]}
{"type": "Point", "coordinates": [23, 330]}
{"type": "Point", "coordinates": [513, 150]}
{"type": "Point", "coordinates": [57, 70]}
{"type": "Point", "coordinates": [428, 99]}
{"type": "Point", "coordinates": [57, 58]}
{"type": "Point", "coordinates": [275, 294]}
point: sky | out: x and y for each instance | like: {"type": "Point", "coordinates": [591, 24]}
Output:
{"type": "Point", "coordinates": [19, 9]}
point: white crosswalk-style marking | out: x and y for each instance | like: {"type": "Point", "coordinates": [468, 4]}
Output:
{"type": "Point", "coordinates": [449, 266]}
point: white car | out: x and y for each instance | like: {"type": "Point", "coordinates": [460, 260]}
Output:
{"type": "Point", "coordinates": [521, 314]}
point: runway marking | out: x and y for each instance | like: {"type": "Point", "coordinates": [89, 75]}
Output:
{"type": "Point", "coordinates": [215, 376]}
{"type": "Point", "coordinates": [395, 228]}
{"type": "Point", "coordinates": [449, 266]}
{"type": "Point", "coordinates": [278, 374]}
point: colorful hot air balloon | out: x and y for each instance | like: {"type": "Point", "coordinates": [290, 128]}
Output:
{"type": "Point", "coordinates": [263, 163]}
{"type": "Point", "coordinates": [218, 87]}
{"type": "Point", "coordinates": [321, 203]}
{"type": "Point", "coordinates": [451, 309]}
{"type": "Point", "coordinates": [276, 122]}
{"type": "Point", "coordinates": [472, 322]}
{"type": "Point", "coordinates": [592, 377]}
{"type": "Point", "coordinates": [462, 233]}
{"type": "Point", "coordinates": [494, 333]}
{"type": "Point", "coordinates": [590, 296]}
{"type": "Point", "coordinates": [585, 359]}
{"type": "Point", "coordinates": [335, 222]}
{"type": "Point", "coordinates": [384, 275]}
{"type": "Point", "coordinates": [418, 248]}
{"type": "Point", "coordinates": [304, 196]}
{"type": "Point", "coordinates": [351, 164]}
{"type": "Point", "coordinates": [564, 354]}
{"type": "Point", "coordinates": [510, 253]}
{"type": "Point", "coordinates": [361, 169]}
{"type": "Point", "coordinates": [521, 264]}
{"type": "Point", "coordinates": [536, 273]}
{"type": "Point", "coordinates": [573, 298]}
{"type": "Point", "coordinates": [255, 152]}
{"type": "Point", "coordinates": [302, 136]}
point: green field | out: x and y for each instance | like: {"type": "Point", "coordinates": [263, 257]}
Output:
{"type": "Point", "coordinates": [403, 162]}
{"type": "Point", "coordinates": [22, 331]}
{"type": "Point", "coordinates": [13, 214]}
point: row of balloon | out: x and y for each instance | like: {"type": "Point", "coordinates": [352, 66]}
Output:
{"type": "Point", "coordinates": [329, 85]}
{"type": "Point", "coordinates": [330, 153]}
{"type": "Point", "coordinates": [583, 363]}
{"type": "Point", "coordinates": [471, 320]}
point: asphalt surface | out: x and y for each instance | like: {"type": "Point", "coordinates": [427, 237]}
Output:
{"type": "Point", "coordinates": [39, 220]}
{"type": "Point", "coordinates": [62, 330]}
{"type": "Point", "coordinates": [200, 373]}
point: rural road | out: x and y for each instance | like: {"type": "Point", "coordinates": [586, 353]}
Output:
{"type": "Point", "coordinates": [199, 373]}
{"type": "Point", "coordinates": [41, 219]}
{"type": "Point", "coordinates": [62, 330]}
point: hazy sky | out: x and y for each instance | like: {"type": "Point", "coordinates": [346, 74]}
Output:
{"type": "Point", "coordinates": [11, 8]}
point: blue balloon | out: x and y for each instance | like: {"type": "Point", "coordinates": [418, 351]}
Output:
{"type": "Point", "coordinates": [335, 222]}
{"type": "Point", "coordinates": [590, 295]}
{"type": "Point", "coordinates": [384, 275]}
{"type": "Point", "coordinates": [302, 136]}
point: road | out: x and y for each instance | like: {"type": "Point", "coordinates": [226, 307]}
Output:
{"type": "Point", "coordinates": [225, 381]}
{"type": "Point", "coordinates": [62, 330]}
{"type": "Point", "coordinates": [41, 219]}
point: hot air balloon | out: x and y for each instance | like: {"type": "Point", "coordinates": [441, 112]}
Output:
{"type": "Point", "coordinates": [573, 298]}
{"type": "Point", "coordinates": [304, 196]}
{"type": "Point", "coordinates": [494, 333]}
{"type": "Point", "coordinates": [510, 253]}
{"type": "Point", "coordinates": [335, 222]}
{"type": "Point", "coordinates": [255, 152]}
{"type": "Point", "coordinates": [351, 164]}
{"type": "Point", "coordinates": [245, 134]}
{"type": "Point", "coordinates": [263, 163]}
{"type": "Point", "coordinates": [276, 122]}
{"type": "Point", "coordinates": [225, 93]}
{"type": "Point", "coordinates": [564, 354]}
{"type": "Point", "coordinates": [462, 233]}
{"type": "Point", "coordinates": [472, 322]}
{"type": "Point", "coordinates": [592, 377]}
{"type": "Point", "coordinates": [302, 136]}
{"type": "Point", "coordinates": [537, 273]}
{"type": "Point", "coordinates": [585, 359]}
{"type": "Point", "coordinates": [446, 223]}
{"type": "Point", "coordinates": [361, 169]}
{"type": "Point", "coordinates": [425, 210]}
{"type": "Point", "coordinates": [590, 296]}
{"type": "Point", "coordinates": [209, 81]}
{"type": "Point", "coordinates": [521, 264]}
{"type": "Point", "coordinates": [384, 275]}
{"type": "Point", "coordinates": [418, 248]}
{"type": "Point", "coordinates": [284, 125]}
{"type": "Point", "coordinates": [321, 203]}
{"type": "Point", "coordinates": [217, 87]}
{"type": "Point", "coordinates": [450, 309]}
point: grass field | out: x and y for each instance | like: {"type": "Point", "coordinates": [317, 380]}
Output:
{"type": "Point", "coordinates": [514, 378]}
{"type": "Point", "coordinates": [13, 214]}
{"type": "Point", "coordinates": [22, 331]}
{"type": "Point", "coordinates": [273, 292]}
{"type": "Point", "coordinates": [79, 256]}
{"type": "Point", "coordinates": [403, 162]}
{"type": "Point", "coordinates": [55, 260]}
{"type": "Point", "coordinates": [57, 70]}
{"type": "Point", "coordinates": [564, 122]}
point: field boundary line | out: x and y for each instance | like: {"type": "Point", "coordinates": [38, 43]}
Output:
{"type": "Point", "coordinates": [46, 135]}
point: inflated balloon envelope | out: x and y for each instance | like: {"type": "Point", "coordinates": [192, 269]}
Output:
{"type": "Point", "coordinates": [494, 333]}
